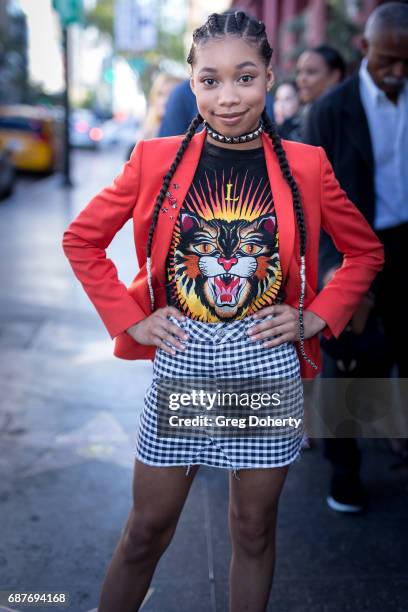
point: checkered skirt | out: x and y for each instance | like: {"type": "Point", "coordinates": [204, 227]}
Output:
{"type": "Point", "coordinates": [222, 350]}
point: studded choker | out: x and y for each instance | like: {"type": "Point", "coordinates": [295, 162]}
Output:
{"type": "Point", "coordinates": [234, 139]}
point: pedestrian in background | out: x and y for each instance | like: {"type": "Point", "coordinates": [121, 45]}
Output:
{"type": "Point", "coordinates": [363, 127]}
{"type": "Point", "coordinates": [287, 110]}
{"type": "Point", "coordinates": [161, 88]}
{"type": "Point", "coordinates": [318, 70]}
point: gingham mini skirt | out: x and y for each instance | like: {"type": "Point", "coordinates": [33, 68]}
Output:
{"type": "Point", "coordinates": [222, 350]}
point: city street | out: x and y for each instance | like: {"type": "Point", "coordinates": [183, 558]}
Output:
{"type": "Point", "coordinates": [68, 421]}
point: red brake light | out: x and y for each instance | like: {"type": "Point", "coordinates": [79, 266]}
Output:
{"type": "Point", "coordinates": [95, 134]}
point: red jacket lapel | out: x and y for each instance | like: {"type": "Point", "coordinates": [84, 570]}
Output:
{"type": "Point", "coordinates": [183, 177]}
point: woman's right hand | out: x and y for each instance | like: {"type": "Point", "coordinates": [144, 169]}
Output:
{"type": "Point", "coordinates": [156, 328]}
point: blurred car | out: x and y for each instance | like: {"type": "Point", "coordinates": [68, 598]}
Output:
{"type": "Point", "coordinates": [7, 174]}
{"type": "Point", "coordinates": [122, 131]}
{"type": "Point", "coordinates": [33, 136]}
{"type": "Point", "coordinates": [86, 129]}
{"type": "Point", "coordinates": [111, 132]}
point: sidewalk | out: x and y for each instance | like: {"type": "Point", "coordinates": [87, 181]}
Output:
{"type": "Point", "coordinates": [68, 421]}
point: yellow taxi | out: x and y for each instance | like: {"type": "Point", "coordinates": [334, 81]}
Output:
{"type": "Point", "coordinates": [33, 135]}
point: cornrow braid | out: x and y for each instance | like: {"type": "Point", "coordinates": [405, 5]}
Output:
{"type": "Point", "coordinates": [240, 19]}
{"type": "Point", "coordinates": [162, 194]}
{"type": "Point", "coordinates": [236, 23]}
{"type": "Point", "coordinates": [270, 129]}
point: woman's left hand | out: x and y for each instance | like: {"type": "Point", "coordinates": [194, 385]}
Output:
{"type": "Point", "coordinates": [284, 327]}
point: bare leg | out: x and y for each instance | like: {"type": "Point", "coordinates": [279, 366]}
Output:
{"type": "Point", "coordinates": [159, 494]}
{"type": "Point", "coordinates": [252, 521]}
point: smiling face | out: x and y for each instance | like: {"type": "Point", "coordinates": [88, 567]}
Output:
{"type": "Point", "coordinates": [313, 76]}
{"type": "Point", "coordinates": [230, 81]}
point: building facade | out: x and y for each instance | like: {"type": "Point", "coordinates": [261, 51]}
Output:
{"type": "Point", "coordinates": [287, 20]}
{"type": "Point", "coordinates": [13, 53]}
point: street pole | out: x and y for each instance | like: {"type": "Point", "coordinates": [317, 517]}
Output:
{"type": "Point", "coordinates": [67, 182]}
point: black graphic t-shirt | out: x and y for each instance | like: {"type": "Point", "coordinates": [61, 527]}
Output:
{"type": "Point", "coordinates": [223, 262]}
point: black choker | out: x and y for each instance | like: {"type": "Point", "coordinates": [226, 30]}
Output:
{"type": "Point", "coordinates": [234, 139]}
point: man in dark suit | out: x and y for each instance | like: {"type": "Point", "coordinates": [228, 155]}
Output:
{"type": "Point", "coordinates": [363, 127]}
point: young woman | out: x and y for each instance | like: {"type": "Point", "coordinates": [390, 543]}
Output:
{"type": "Point", "coordinates": [161, 88]}
{"type": "Point", "coordinates": [286, 100]}
{"type": "Point", "coordinates": [317, 71]}
{"type": "Point", "coordinates": [287, 110]}
{"type": "Point", "coordinates": [227, 225]}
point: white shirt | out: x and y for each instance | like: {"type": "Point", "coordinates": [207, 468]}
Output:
{"type": "Point", "coordinates": [388, 125]}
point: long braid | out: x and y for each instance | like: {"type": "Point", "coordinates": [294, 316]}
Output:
{"type": "Point", "coordinates": [270, 129]}
{"type": "Point", "coordinates": [162, 194]}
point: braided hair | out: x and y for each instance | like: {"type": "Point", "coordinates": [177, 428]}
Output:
{"type": "Point", "coordinates": [272, 132]}
{"type": "Point", "coordinates": [238, 24]}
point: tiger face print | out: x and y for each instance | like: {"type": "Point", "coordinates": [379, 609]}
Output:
{"type": "Point", "coordinates": [225, 267]}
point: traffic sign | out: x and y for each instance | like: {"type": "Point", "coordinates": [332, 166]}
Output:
{"type": "Point", "coordinates": [135, 27]}
{"type": "Point", "coordinates": [69, 11]}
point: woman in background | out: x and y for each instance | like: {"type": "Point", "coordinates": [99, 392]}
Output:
{"type": "Point", "coordinates": [287, 110]}
{"type": "Point", "coordinates": [162, 86]}
{"type": "Point", "coordinates": [318, 70]}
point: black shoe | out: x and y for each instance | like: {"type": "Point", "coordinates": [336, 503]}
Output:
{"type": "Point", "coordinates": [347, 493]}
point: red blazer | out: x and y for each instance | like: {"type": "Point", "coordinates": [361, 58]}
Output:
{"type": "Point", "coordinates": [133, 193]}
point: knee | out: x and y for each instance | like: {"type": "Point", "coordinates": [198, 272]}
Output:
{"type": "Point", "coordinates": [146, 536]}
{"type": "Point", "coordinates": [253, 532]}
